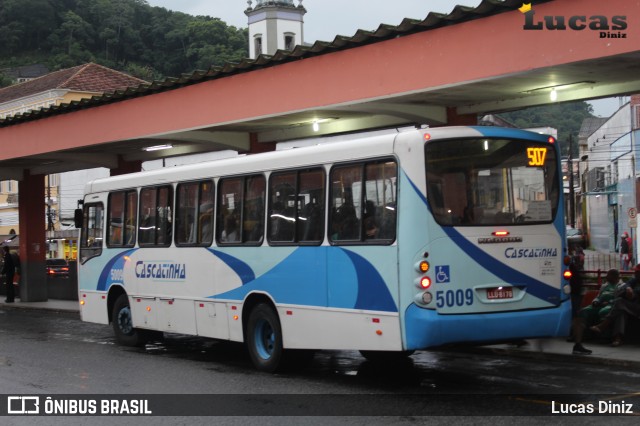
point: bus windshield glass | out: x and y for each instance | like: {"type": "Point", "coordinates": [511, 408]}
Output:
{"type": "Point", "coordinates": [480, 181]}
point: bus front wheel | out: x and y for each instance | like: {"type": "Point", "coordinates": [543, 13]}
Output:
{"type": "Point", "coordinates": [122, 323]}
{"type": "Point", "coordinates": [264, 338]}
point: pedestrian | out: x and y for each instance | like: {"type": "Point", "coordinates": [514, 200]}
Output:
{"type": "Point", "coordinates": [8, 270]}
{"type": "Point", "coordinates": [625, 305]}
{"type": "Point", "coordinates": [594, 313]}
{"type": "Point", "coordinates": [625, 251]}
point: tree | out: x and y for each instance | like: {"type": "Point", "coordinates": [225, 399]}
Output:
{"type": "Point", "coordinates": [121, 34]}
{"type": "Point", "coordinates": [566, 117]}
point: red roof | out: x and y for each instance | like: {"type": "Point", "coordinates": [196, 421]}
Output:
{"type": "Point", "coordinates": [83, 78]}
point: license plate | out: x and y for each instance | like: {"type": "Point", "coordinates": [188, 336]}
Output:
{"type": "Point", "coordinates": [500, 293]}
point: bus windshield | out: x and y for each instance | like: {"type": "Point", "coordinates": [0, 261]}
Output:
{"type": "Point", "coordinates": [481, 181]}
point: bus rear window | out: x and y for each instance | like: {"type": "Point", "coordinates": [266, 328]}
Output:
{"type": "Point", "coordinates": [477, 182]}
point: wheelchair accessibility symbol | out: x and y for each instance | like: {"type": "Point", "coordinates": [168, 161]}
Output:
{"type": "Point", "coordinates": [442, 274]}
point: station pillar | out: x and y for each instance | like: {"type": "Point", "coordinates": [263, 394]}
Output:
{"type": "Point", "coordinates": [125, 167]}
{"type": "Point", "coordinates": [31, 215]}
{"type": "Point", "coordinates": [455, 119]}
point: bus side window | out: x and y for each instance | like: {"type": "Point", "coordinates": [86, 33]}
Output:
{"type": "Point", "coordinates": [91, 233]}
{"type": "Point", "coordinates": [282, 194]}
{"type": "Point", "coordinates": [311, 202]}
{"type": "Point", "coordinates": [253, 214]}
{"type": "Point", "coordinates": [156, 216]}
{"type": "Point", "coordinates": [346, 190]}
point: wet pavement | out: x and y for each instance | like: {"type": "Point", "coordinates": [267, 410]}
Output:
{"type": "Point", "coordinates": [557, 349]}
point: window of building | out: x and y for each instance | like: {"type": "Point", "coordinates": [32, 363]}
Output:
{"type": "Point", "coordinates": [257, 43]}
{"type": "Point", "coordinates": [289, 41]}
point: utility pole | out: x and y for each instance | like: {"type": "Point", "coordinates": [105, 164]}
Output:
{"type": "Point", "coordinates": [572, 210]}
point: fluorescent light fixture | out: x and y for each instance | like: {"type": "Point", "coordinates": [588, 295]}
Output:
{"type": "Point", "coordinates": [554, 88]}
{"type": "Point", "coordinates": [157, 147]}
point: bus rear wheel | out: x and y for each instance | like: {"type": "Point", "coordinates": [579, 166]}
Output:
{"type": "Point", "coordinates": [264, 338]}
{"type": "Point", "coordinates": [122, 323]}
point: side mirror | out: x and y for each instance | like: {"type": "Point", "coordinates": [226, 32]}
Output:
{"type": "Point", "coordinates": [78, 218]}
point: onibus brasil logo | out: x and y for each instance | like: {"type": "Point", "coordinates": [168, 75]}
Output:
{"type": "Point", "coordinates": [605, 26]}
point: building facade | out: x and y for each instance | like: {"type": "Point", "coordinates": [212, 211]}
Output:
{"type": "Point", "coordinates": [274, 25]}
{"type": "Point", "coordinates": [609, 171]}
{"type": "Point", "coordinates": [53, 89]}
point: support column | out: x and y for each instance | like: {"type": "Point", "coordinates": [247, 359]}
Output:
{"type": "Point", "coordinates": [125, 167]}
{"type": "Point", "coordinates": [256, 147]}
{"type": "Point", "coordinates": [33, 277]}
{"type": "Point", "coordinates": [455, 119]}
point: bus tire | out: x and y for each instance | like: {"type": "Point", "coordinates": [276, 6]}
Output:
{"type": "Point", "coordinates": [264, 338]}
{"type": "Point", "coordinates": [122, 323]}
{"type": "Point", "coordinates": [386, 356]}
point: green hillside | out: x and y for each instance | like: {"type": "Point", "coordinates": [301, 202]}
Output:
{"type": "Point", "coordinates": [128, 35]}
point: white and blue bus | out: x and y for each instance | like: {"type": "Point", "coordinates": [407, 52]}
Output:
{"type": "Point", "coordinates": [384, 244]}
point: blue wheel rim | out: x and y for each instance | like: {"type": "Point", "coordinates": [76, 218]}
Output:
{"type": "Point", "coordinates": [265, 339]}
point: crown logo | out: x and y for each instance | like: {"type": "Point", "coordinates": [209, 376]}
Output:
{"type": "Point", "coordinates": [525, 8]}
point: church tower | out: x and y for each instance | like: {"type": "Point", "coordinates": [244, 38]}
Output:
{"type": "Point", "coordinates": [273, 25]}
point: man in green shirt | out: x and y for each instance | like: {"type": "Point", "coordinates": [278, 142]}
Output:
{"type": "Point", "coordinates": [594, 313]}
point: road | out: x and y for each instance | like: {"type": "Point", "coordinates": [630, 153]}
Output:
{"type": "Point", "coordinates": [50, 353]}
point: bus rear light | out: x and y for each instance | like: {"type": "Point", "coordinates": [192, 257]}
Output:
{"type": "Point", "coordinates": [427, 136]}
{"type": "Point", "coordinates": [567, 289]}
{"type": "Point", "coordinates": [567, 260]}
{"type": "Point", "coordinates": [500, 233]}
{"type": "Point", "coordinates": [422, 266]}
{"type": "Point", "coordinates": [567, 274]}
{"type": "Point", "coordinates": [148, 308]}
{"type": "Point", "coordinates": [379, 332]}
{"type": "Point", "coordinates": [376, 320]}
{"type": "Point", "coordinates": [551, 139]}
{"type": "Point", "coordinates": [427, 297]}
{"type": "Point", "coordinates": [424, 282]}
{"type": "Point", "coordinates": [235, 318]}
{"type": "Point", "coordinates": [82, 303]}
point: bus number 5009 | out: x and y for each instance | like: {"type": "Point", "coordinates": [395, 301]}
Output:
{"type": "Point", "coordinates": [451, 298]}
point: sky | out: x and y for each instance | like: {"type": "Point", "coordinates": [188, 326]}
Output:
{"type": "Point", "coordinates": [326, 19]}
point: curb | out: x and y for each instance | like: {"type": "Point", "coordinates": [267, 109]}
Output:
{"type": "Point", "coordinates": [37, 308]}
{"type": "Point", "coordinates": [568, 357]}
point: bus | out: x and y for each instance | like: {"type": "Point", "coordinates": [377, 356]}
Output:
{"type": "Point", "coordinates": [384, 243]}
